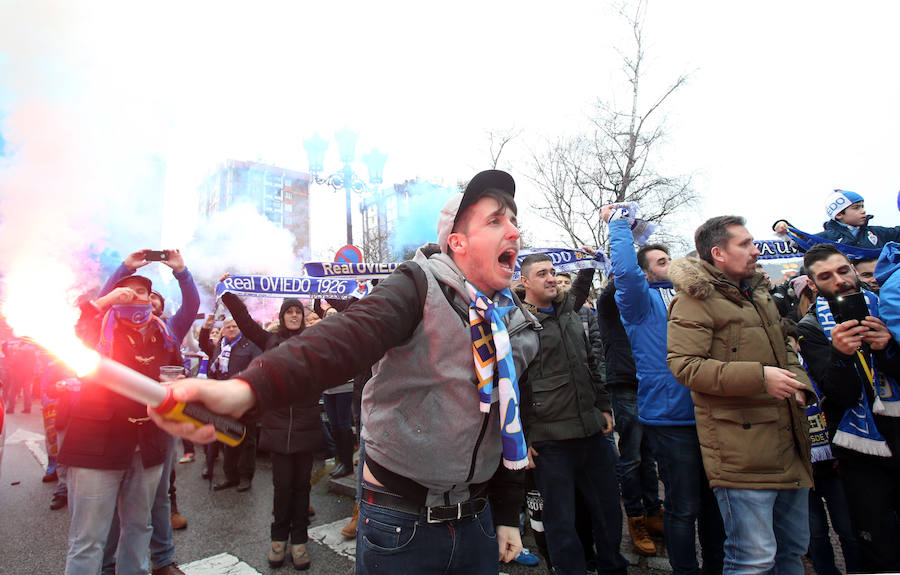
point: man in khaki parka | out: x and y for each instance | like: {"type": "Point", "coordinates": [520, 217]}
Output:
{"type": "Point", "coordinates": [725, 344]}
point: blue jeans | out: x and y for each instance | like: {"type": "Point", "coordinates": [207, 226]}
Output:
{"type": "Point", "coordinates": [93, 498]}
{"type": "Point", "coordinates": [766, 529]}
{"type": "Point", "coordinates": [830, 491]}
{"type": "Point", "coordinates": [636, 468]}
{"type": "Point", "coordinates": [588, 464]}
{"type": "Point", "coordinates": [162, 548]}
{"type": "Point", "coordinates": [689, 500]}
{"type": "Point", "coordinates": [398, 543]}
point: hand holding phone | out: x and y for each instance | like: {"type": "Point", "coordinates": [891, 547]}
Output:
{"type": "Point", "coordinates": [849, 306]}
{"type": "Point", "coordinates": [156, 255]}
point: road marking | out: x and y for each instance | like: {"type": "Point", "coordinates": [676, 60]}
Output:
{"type": "Point", "coordinates": [33, 441]}
{"type": "Point", "coordinates": [221, 564]}
{"type": "Point", "coordinates": [329, 535]}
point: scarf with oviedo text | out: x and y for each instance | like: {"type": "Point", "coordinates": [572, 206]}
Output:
{"type": "Point", "coordinates": [491, 347]}
{"type": "Point", "coordinates": [136, 315]}
{"type": "Point", "coordinates": [818, 431]}
{"type": "Point", "coordinates": [857, 429]}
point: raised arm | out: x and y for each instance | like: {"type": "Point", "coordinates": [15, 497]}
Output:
{"type": "Point", "coordinates": [632, 290]}
{"type": "Point", "coordinates": [249, 328]}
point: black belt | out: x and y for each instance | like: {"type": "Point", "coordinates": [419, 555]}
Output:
{"type": "Point", "coordinates": [434, 514]}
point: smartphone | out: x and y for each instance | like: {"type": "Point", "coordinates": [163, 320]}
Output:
{"type": "Point", "coordinates": [847, 307]}
{"type": "Point", "coordinates": [156, 255]}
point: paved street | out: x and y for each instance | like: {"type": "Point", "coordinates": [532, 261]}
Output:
{"type": "Point", "coordinates": [228, 532]}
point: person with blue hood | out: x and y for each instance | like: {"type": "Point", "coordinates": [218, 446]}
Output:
{"type": "Point", "coordinates": [848, 223]}
{"type": "Point", "coordinates": [665, 408]}
{"type": "Point", "coordinates": [888, 264]}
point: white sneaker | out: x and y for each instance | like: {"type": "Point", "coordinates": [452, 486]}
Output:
{"type": "Point", "coordinates": [188, 457]}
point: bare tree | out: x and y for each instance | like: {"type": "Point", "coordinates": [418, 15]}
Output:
{"type": "Point", "coordinates": [376, 244]}
{"type": "Point", "coordinates": [613, 161]}
{"type": "Point", "coordinates": [498, 141]}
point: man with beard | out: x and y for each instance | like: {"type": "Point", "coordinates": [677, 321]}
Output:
{"type": "Point", "coordinates": [749, 391]}
{"type": "Point", "coordinates": [856, 364]}
{"type": "Point", "coordinates": [664, 407]}
{"type": "Point", "coordinates": [865, 269]}
{"type": "Point", "coordinates": [442, 325]}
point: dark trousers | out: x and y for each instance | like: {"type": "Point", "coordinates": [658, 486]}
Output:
{"type": "Point", "coordinates": [636, 468]}
{"type": "Point", "coordinates": [240, 461]}
{"type": "Point", "coordinates": [534, 503]}
{"type": "Point", "coordinates": [18, 380]}
{"type": "Point", "coordinates": [589, 464]}
{"type": "Point", "coordinates": [873, 497]}
{"type": "Point", "coordinates": [830, 491]}
{"type": "Point", "coordinates": [290, 479]}
{"type": "Point", "coordinates": [689, 500]}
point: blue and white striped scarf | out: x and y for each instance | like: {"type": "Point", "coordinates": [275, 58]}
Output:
{"type": "Point", "coordinates": [225, 354]}
{"type": "Point", "coordinates": [492, 348]}
{"type": "Point", "coordinates": [857, 430]}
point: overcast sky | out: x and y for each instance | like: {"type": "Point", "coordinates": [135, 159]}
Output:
{"type": "Point", "coordinates": [785, 102]}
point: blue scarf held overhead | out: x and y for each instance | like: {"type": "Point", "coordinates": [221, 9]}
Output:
{"type": "Point", "coordinates": [491, 347]}
{"type": "Point", "coordinates": [805, 241]}
{"type": "Point", "coordinates": [857, 430]}
{"type": "Point", "coordinates": [135, 315]}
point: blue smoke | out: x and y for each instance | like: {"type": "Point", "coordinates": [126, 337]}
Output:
{"type": "Point", "coordinates": [417, 217]}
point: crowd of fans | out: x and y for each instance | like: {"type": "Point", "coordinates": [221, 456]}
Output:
{"type": "Point", "coordinates": [757, 405]}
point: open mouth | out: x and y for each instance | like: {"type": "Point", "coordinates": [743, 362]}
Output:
{"type": "Point", "coordinates": [507, 260]}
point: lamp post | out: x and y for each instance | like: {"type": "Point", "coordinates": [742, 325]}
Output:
{"type": "Point", "coordinates": [345, 178]}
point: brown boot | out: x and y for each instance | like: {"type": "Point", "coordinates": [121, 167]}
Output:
{"type": "Point", "coordinates": [655, 523]}
{"type": "Point", "coordinates": [637, 527]}
{"type": "Point", "coordinates": [349, 530]}
{"type": "Point", "coordinates": [177, 519]}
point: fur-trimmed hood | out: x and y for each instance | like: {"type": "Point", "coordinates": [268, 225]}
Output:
{"type": "Point", "coordinates": [697, 279]}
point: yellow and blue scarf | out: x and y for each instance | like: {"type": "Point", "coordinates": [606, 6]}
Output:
{"type": "Point", "coordinates": [491, 347]}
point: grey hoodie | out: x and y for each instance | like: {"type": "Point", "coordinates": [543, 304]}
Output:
{"type": "Point", "coordinates": [420, 410]}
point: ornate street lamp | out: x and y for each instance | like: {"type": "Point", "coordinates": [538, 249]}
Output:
{"type": "Point", "coordinates": [344, 179]}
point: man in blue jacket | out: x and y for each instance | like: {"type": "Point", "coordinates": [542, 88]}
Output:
{"type": "Point", "coordinates": [888, 264]}
{"type": "Point", "coordinates": [643, 293]}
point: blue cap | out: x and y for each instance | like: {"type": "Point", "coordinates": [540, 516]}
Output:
{"type": "Point", "coordinates": [840, 200]}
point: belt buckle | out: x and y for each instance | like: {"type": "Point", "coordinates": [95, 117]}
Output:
{"type": "Point", "coordinates": [429, 519]}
